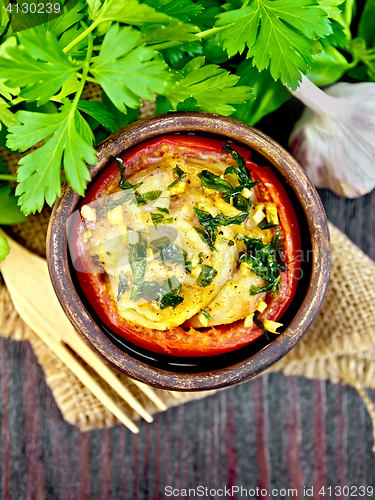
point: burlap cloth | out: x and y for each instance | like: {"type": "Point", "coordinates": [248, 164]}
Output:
{"type": "Point", "coordinates": [339, 346]}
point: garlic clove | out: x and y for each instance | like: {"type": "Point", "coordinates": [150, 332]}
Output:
{"type": "Point", "coordinates": [334, 138]}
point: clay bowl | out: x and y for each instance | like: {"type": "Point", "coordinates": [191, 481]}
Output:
{"type": "Point", "coordinates": [187, 374]}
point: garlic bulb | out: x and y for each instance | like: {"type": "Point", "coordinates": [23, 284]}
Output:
{"type": "Point", "coordinates": [334, 140]}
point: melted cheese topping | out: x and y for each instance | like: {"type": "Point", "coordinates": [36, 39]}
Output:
{"type": "Point", "coordinates": [115, 224]}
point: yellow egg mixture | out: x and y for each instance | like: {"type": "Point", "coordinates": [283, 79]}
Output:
{"type": "Point", "coordinates": [125, 239]}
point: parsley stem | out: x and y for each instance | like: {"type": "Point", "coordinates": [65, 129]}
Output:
{"type": "Point", "coordinates": [202, 34]}
{"type": "Point", "coordinates": [245, 3]}
{"type": "Point", "coordinates": [85, 71]}
{"type": "Point", "coordinates": [7, 177]}
{"type": "Point", "coordinates": [212, 31]}
{"type": "Point", "coordinates": [88, 78]}
{"type": "Point", "coordinates": [83, 35]}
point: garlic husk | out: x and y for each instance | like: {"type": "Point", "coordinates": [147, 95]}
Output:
{"type": "Point", "coordinates": [334, 140]}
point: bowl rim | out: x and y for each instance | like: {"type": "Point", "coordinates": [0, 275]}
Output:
{"type": "Point", "coordinates": [292, 172]}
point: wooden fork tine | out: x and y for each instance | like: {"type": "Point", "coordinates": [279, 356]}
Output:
{"type": "Point", "coordinates": [70, 361]}
{"type": "Point", "coordinates": [151, 394]}
{"type": "Point", "coordinates": [106, 373]}
{"type": "Point", "coordinates": [51, 321]}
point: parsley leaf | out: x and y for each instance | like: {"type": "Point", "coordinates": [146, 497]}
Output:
{"type": "Point", "coordinates": [211, 223]}
{"type": "Point", "coordinates": [269, 94]}
{"type": "Point", "coordinates": [240, 170]}
{"type": "Point", "coordinates": [4, 247]}
{"type": "Point", "coordinates": [271, 287]}
{"type": "Point", "coordinates": [264, 224]}
{"type": "Point", "coordinates": [6, 116]}
{"type": "Point", "coordinates": [160, 219]}
{"type": "Point", "coordinates": [178, 32]}
{"type": "Point", "coordinates": [261, 258]}
{"type": "Point", "coordinates": [205, 236]}
{"type": "Point", "coordinates": [163, 210]}
{"type": "Point", "coordinates": [212, 181]}
{"type": "Point", "coordinates": [122, 285]}
{"type": "Point", "coordinates": [181, 175]}
{"type": "Point", "coordinates": [171, 298]}
{"type": "Point", "coordinates": [206, 314]}
{"type": "Point", "coordinates": [206, 276]}
{"type": "Point", "coordinates": [143, 199]}
{"type": "Point", "coordinates": [137, 261]}
{"type": "Point", "coordinates": [127, 71]}
{"type": "Point", "coordinates": [276, 33]}
{"type": "Point", "coordinates": [99, 112]}
{"type": "Point", "coordinates": [39, 172]}
{"type": "Point", "coordinates": [38, 65]}
{"type": "Point", "coordinates": [179, 9]}
{"type": "Point", "coordinates": [260, 325]}
{"type": "Point", "coordinates": [156, 218]}
{"type": "Point", "coordinates": [129, 12]}
{"type": "Point", "coordinates": [165, 295]}
{"type": "Point", "coordinates": [124, 184]}
{"type": "Point", "coordinates": [212, 86]}
{"type": "Point", "coordinates": [73, 13]}
{"type": "Point", "coordinates": [169, 252]}
{"type": "Point", "coordinates": [9, 210]}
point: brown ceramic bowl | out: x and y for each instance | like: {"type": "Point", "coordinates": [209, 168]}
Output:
{"type": "Point", "coordinates": [188, 374]}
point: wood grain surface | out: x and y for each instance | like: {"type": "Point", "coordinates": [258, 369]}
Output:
{"type": "Point", "coordinates": [273, 432]}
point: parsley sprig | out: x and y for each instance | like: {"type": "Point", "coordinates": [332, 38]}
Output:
{"type": "Point", "coordinates": [211, 225]}
{"type": "Point", "coordinates": [179, 51]}
{"type": "Point", "coordinates": [266, 261]}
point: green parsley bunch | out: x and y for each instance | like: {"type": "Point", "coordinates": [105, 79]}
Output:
{"type": "Point", "coordinates": [208, 55]}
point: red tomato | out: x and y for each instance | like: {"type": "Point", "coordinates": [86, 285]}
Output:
{"type": "Point", "coordinates": [206, 341]}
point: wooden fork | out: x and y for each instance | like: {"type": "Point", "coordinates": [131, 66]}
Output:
{"type": "Point", "coordinates": [28, 282]}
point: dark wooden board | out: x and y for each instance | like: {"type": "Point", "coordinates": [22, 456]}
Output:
{"type": "Point", "coordinates": [272, 432]}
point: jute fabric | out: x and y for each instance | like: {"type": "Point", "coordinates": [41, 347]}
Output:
{"type": "Point", "coordinates": [339, 346]}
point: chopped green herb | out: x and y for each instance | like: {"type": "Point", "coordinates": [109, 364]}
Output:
{"type": "Point", "coordinates": [169, 252]}
{"type": "Point", "coordinates": [206, 276]}
{"type": "Point", "coordinates": [276, 242]}
{"type": "Point", "coordinates": [201, 258]}
{"type": "Point", "coordinates": [165, 295]}
{"type": "Point", "coordinates": [160, 242]}
{"type": "Point", "coordinates": [262, 259]}
{"type": "Point", "coordinates": [150, 290]}
{"type": "Point", "coordinates": [163, 210]}
{"type": "Point", "coordinates": [211, 223]}
{"type": "Point", "coordinates": [260, 325]}
{"type": "Point", "coordinates": [263, 224]}
{"type": "Point", "coordinates": [4, 247]}
{"type": "Point", "coordinates": [277, 245]}
{"type": "Point", "coordinates": [137, 261]}
{"type": "Point", "coordinates": [240, 170]}
{"type": "Point", "coordinates": [115, 203]}
{"type": "Point", "coordinates": [188, 266]}
{"type": "Point", "coordinates": [212, 181]}
{"type": "Point", "coordinates": [156, 218]}
{"type": "Point", "coordinates": [173, 297]}
{"type": "Point", "coordinates": [160, 219]}
{"type": "Point", "coordinates": [206, 238]}
{"type": "Point", "coordinates": [143, 199]}
{"type": "Point", "coordinates": [271, 287]}
{"type": "Point", "coordinates": [181, 175]}
{"type": "Point", "coordinates": [206, 314]}
{"type": "Point", "coordinates": [124, 183]}
{"type": "Point", "coordinates": [122, 285]}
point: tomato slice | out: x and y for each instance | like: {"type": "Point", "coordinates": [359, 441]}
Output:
{"type": "Point", "coordinates": [206, 341]}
